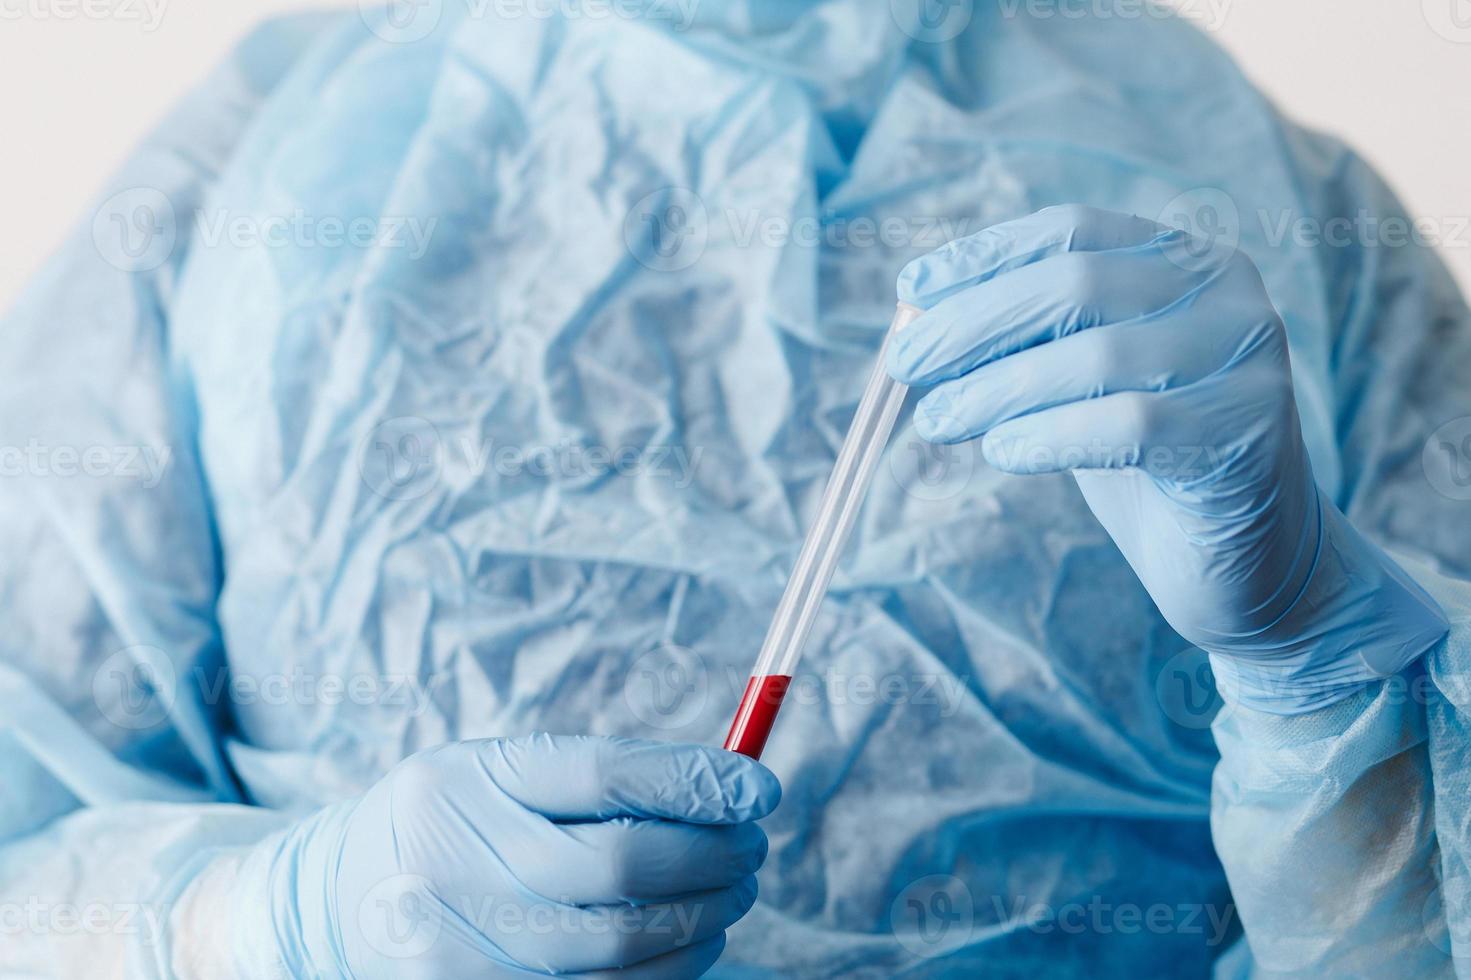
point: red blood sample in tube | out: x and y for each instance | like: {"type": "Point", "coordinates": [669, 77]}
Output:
{"type": "Point", "coordinates": [757, 713]}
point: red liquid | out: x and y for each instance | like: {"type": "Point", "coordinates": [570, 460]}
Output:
{"type": "Point", "coordinates": [754, 718]}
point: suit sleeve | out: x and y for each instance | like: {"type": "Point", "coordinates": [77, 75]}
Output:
{"type": "Point", "coordinates": [1339, 829]}
{"type": "Point", "coordinates": [113, 780]}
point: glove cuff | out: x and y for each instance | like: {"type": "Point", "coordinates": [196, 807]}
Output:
{"type": "Point", "coordinates": [218, 924]}
{"type": "Point", "coordinates": [264, 912]}
{"type": "Point", "coordinates": [297, 877]}
{"type": "Point", "coordinates": [1359, 619]}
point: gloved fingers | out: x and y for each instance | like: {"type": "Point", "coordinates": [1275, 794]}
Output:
{"type": "Point", "coordinates": [639, 861]}
{"type": "Point", "coordinates": [1042, 302]}
{"type": "Point", "coordinates": [1009, 245]}
{"type": "Point", "coordinates": [1144, 355]}
{"type": "Point", "coordinates": [474, 931]}
{"type": "Point", "coordinates": [1127, 429]}
{"type": "Point", "coordinates": [576, 777]}
{"type": "Point", "coordinates": [573, 939]}
{"type": "Point", "coordinates": [687, 961]}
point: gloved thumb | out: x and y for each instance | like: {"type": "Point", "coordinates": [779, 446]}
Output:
{"type": "Point", "coordinates": [583, 777]}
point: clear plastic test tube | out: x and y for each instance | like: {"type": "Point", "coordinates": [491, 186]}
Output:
{"type": "Point", "coordinates": [841, 500]}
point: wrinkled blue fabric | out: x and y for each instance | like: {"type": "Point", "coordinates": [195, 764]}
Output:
{"type": "Point", "coordinates": [1341, 829]}
{"type": "Point", "coordinates": [994, 718]}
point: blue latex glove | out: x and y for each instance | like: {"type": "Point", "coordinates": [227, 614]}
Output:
{"type": "Point", "coordinates": [1154, 366]}
{"type": "Point", "coordinates": [515, 857]}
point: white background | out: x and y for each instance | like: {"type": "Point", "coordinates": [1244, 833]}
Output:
{"type": "Point", "coordinates": [83, 80]}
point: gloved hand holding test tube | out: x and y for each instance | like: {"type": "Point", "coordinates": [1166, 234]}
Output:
{"type": "Point", "coordinates": [841, 499]}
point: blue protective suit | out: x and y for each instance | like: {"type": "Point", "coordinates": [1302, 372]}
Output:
{"type": "Point", "coordinates": [351, 500]}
